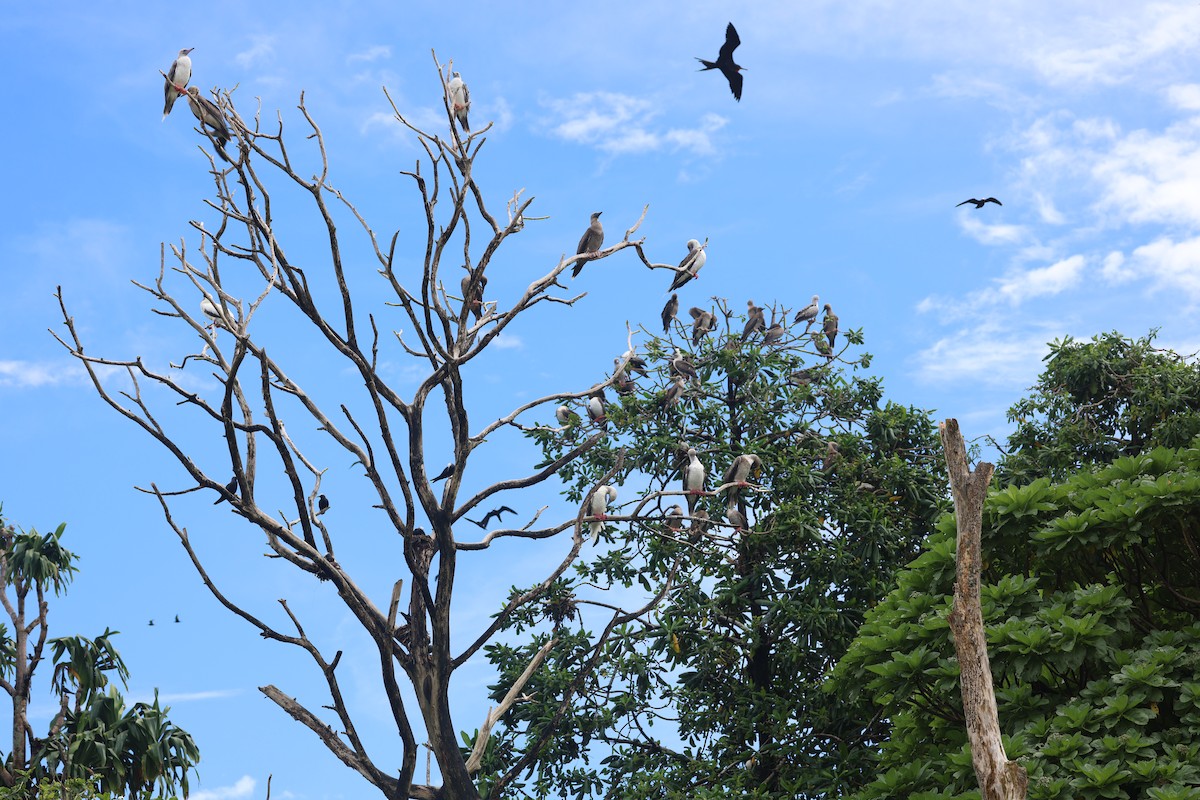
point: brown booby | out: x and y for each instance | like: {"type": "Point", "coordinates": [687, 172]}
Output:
{"type": "Point", "coordinates": [669, 311]}
{"type": "Point", "coordinates": [591, 241]}
{"type": "Point", "coordinates": [724, 62]}
{"type": "Point", "coordinates": [702, 323]}
{"type": "Point", "coordinates": [210, 117]}
{"type": "Point", "coordinates": [693, 478]}
{"type": "Point", "coordinates": [980, 203]}
{"type": "Point", "coordinates": [598, 508]}
{"type": "Point", "coordinates": [690, 266]}
{"type": "Point", "coordinates": [177, 79]}
{"type": "Point", "coordinates": [754, 319]}
{"type": "Point", "coordinates": [830, 326]}
{"type": "Point", "coordinates": [808, 313]}
{"type": "Point", "coordinates": [459, 99]}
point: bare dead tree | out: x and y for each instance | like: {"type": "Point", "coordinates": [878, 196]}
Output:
{"type": "Point", "coordinates": [245, 267]}
{"type": "Point", "coordinates": [999, 778]}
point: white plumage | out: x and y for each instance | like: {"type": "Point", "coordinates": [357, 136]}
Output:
{"type": "Point", "coordinates": [598, 506]}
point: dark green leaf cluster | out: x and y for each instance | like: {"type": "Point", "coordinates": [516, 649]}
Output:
{"type": "Point", "coordinates": [1097, 401]}
{"type": "Point", "coordinates": [717, 693]}
{"type": "Point", "coordinates": [1091, 600]}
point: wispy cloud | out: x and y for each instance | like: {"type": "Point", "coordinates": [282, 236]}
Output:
{"type": "Point", "coordinates": [370, 54]}
{"type": "Point", "coordinates": [244, 787]}
{"type": "Point", "coordinates": [620, 124]}
{"type": "Point", "coordinates": [261, 50]}
{"type": "Point", "coordinates": [35, 374]}
{"type": "Point", "coordinates": [1049, 280]}
{"type": "Point", "coordinates": [984, 233]}
{"type": "Point", "coordinates": [189, 697]}
{"type": "Point", "coordinates": [987, 354]}
{"type": "Point", "coordinates": [507, 341]}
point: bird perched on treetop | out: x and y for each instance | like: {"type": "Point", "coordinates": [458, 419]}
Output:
{"type": "Point", "coordinates": [669, 311]}
{"type": "Point", "coordinates": [591, 241]}
{"type": "Point", "coordinates": [724, 62]}
{"type": "Point", "coordinates": [704, 322]}
{"type": "Point", "coordinates": [980, 203]}
{"type": "Point", "coordinates": [322, 504]}
{"type": "Point", "coordinates": [210, 117]}
{"type": "Point", "coordinates": [177, 79]}
{"type": "Point", "coordinates": [754, 319]}
{"type": "Point", "coordinates": [690, 266]}
{"type": "Point", "coordinates": [830, 325]}
{"type": "Point", "coordinates": [460, 100]}
{"type": "Point", "coordinates": [231, 487]}
{"type": "Point", "coordinates": [808, 313]}
{"type": "Point", "coordinates": [446, 473]}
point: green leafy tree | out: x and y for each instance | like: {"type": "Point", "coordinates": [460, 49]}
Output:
{"type": "Point", "coordinates": [1091, 598]}
{"type": "Point", "coordinates": [1097, 401]}
{"type": "Point", "coordinates": [718, 693]}
{"type": "Point", "coordinates": [93, 739]}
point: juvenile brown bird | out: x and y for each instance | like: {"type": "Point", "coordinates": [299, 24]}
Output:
{"type": "Point", "coordinates": [591, 241]}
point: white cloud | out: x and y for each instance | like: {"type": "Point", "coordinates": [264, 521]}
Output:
{"type": "Point", "coordinates": [507, 341]}
{"type": "Point", "coordinates": [370, 54]}
{"type": "Point", "coordinates": [262, 48]}
{"type": "Point", "coordinates": [34, 374]}
{"type": "Point", "coordinates": [244, 787]}
{"type": "Point", "coordinates": [188, 697]}
{"type": "Point", "coordinates": [985, 354]}
{"type": "Point", "coordinates": [1169, 264]}
{"type": "Point", "coordinates": [619, 124]}
{"type": "Point", "coordinates": [1185, 96]}
{"type": "Point", "coordinates": [1044, 280]}
{"type": "Point", "coordinates": [1046, 210]}
{"type": "Point", "coordinates": [982, 232]}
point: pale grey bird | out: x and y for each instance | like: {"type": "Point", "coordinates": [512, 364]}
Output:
{"type": "Point", "coordinates": [675, 518]}
{"type": "Point", "coordinates": [808, 313]}
{"type": "Point", "coordinates": [680, 365]}
{"type": "Point", "coordinates": [689, 268]}
{"type": "Point", "coordinates": [702, 323]}
{"type": "Point", "coordinates": [830, 326]}
{"type": "Point", "coordinates": [743, 467]}
{"type": "Point", "coordinates": [591, 241]}
{"type": "Point", "coordinates": [210, 117]}
{"type": "Point", "coordinates": [634, 363]}
{"type": "Point", "coordinates": [774, 331]}
{"type": "Point", "coordinates": [177, 79]}
{"type": "Point", "coordinates": [754, 319]}
{"type": "Point", "coordinates": [598, 508]}
{"type": "Point", "coordinates": [622, 383]}
{"type": "Point", "coordinates": [693, 478]}
{"type": "Point", "coordinates": [669, 311]}
{"type": "Point", "coordinates": [674, 393]}
{"type": "Point", "coordinates": [566, 416]}
{"type": "Point", "coordinates": [459, 98]}
{"type": "Point", "coordinates": [736, 518]}
{"type": "Point", "coordinates": [211, 310]}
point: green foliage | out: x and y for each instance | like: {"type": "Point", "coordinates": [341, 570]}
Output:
{"type": "Point", "coordinates": [1091, 595]}
{"type": "Point", "coordinates": [718, 693]}
{"type": "Point", "coordinates": [1097, 401]}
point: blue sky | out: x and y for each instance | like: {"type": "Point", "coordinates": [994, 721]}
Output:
{"type": "Point", "coordinates": [859, 130]}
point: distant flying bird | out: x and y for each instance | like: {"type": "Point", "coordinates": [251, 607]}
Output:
{"type": "Point", "coordinates": [151, 623]}
{"type": "Point", "coordinates": [693, 478]}
{"type": "Point", "coordinates": [980, 203]}
{"type": "Point", "coordinates": [724, 62]}
{"type": "Point", "coordinates": [177, 79]}
{"type": "Point", "coordinates": [322, 504]}
{"type": "Point", "coordinates": [830, 325]}
{"type": "Point", "coordinates": [176, 618]}
{"type": "Point", "coordinates": [591, 241]}
{"type": "Point", "coordinates": [210, 116]}
{"type": "Point", "coordinates": [231, 487]}
{"type": "Point", "coordinates": [598, 508]}
{"type": "Point", "coordinates": [754, 319]}
{"type": "Point", "coordinates": [690, 266]}
{"type": "Point", "coordinates": [460, 100]}
{"type": "Point", "coordinates": [703, 322]}
{"type": "Point", "coordinates": [669, 311]}
{"type": "Point", "coordinates": [495, 512]}
{"type": "Point", "coordinates": [808, 313]}
{"type": "Point", "coordinates": [566, 416]}
{"type": "Point", "coordinates": [446, 473]}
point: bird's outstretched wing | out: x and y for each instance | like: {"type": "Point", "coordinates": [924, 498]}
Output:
{"type": "Point", "coordinates": [735, 84]}
{"type": "Point", "coordinates": [993, 200]}
{"type": "Point", "coordinates": [731, 43]}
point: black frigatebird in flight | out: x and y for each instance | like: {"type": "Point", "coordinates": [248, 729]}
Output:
{"type": "Point", "coordinates": [724, 62]}
{"type": "Point", "coordinates": [980, 203]}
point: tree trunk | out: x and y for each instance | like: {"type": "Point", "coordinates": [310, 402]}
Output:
{"type": "Point", "coordinates": [999, 778]}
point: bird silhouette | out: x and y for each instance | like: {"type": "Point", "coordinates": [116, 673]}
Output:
{"type": "Point", "coordinates": [322, 504]}
{"type": "Point", "coordinates": [669, 311]}
{"type": "Point", "coordinates": [231, 487]}
{"type": "Point", "coordinates": [177, 618]}
{"type": "Point", "coordinates": [980, 203]}
{"type": "Point", "coordinates": [495, 512]}
{"type": "Point", "coordinates": [724, 62]}
{"type": "Point", "coordinates": [446, 473]}
{"type": "Point", "coordinates": [151, 623]}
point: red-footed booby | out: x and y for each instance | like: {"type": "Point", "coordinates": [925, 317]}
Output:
{"type": "Point", "coordinates": [808, 313]}
{"type": "Point", "coordinates": [591, 241]}
{"type": "Point", "coordinates": [693, 478]}
{"type": "Point", "coordinates": [669, 311]}
{"type": "Point", "coordinates": [689, 268]}
{"type": "Point", "coordinates": [177, 79]}
{"type": "Point", "coordinates": [210, 117]}
{"type": "Point", "coordinates": [754, 320]}
{"type": "Point", "coordinates": [598, 508]}
{"type": "Point", "coordinates": [460, 100]}
{"type": "Point", "coordinates": [702, 323]}
{"type": "Point", "coordinates": [830, 326]}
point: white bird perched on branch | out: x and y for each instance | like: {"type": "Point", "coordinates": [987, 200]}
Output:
{"type": "Point", "coordinates": [690, 266]}
{"type": "Point", "coordinates": [598, 507]}
{"type": "Point", "coordinates": [566, 416]}
{"type": "Point", "coordinates": [693, 478]}
{"type": "Point", "coordinates": [743, 467]}
{"type": "Point", "coordinates": [808, 313]}
{"type": "Point", "coordinates": [211, 311]}
{"type": "Point", "coordinates": [177, 79]}
{"type": "Point", "coordinates": [460, 100]}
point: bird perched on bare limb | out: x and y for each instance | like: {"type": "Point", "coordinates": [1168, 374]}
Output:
{"type": "Point", "coordinates": [702, 324]}
{"type": "Point", "coordinates": [210, 117]}
{"type": "Point", "coordinates": [445, 473]}
{"type": "Point", "coordinates": [231, 487]}
{"type": "Point", "coordinates": [690, 267]}
{"type": "Point", "coordinates": [808, 313]}
{"type": "Point", "coordinates": [472, 293]}
{"type": "Point", "coordinates": [980, 203]}
{"type": "Point", "coordinates": [459, 98]}
{"type": "Point", "coordinates": [591, 241]}
{"type": "Point", "coordinates": [724, 62]}
{"type": "Point", "coordinates": [177, 79]}
{"type": "Point", "coordinates": [774, 331]}
{"type": "Point", "coordinates": [754, 319]}
{"type": "Point", "coordinates": [669, 311]}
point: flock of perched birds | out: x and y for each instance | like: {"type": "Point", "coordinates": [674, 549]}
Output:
{"type": "Point", "coordinates": [213, 124]}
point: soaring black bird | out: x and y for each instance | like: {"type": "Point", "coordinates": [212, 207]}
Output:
{"type": "Point", "coordinates": [591, 241]}
{"type": "Point", "coordinates": [980, 203]}
{"type": "Point", "coordinates": [724, 62]}
{"type": "Point", "coordinates": [230, 487]}
{"type": "Point", "coordinates": [495, 512]}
